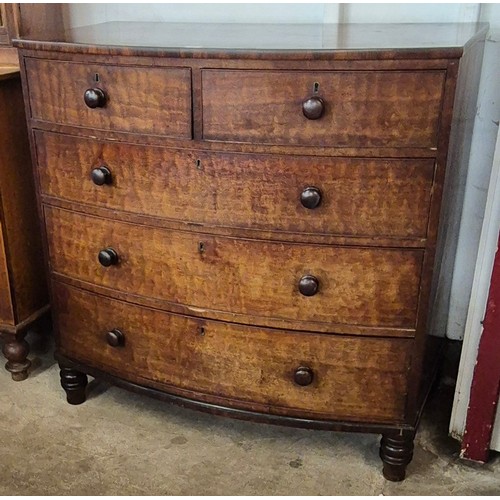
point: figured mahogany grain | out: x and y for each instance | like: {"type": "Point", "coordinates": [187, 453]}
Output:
{"type": "Point", "coordinates": [360, 379]}
{"type": "Point", "coordinates": [143, 100]}
{"type": "Point", "coordinates": [359, 197]}
{"type": "Point", "coordinates": [360, 286]}
{"type": "Point", "coordinates": [362, 108]}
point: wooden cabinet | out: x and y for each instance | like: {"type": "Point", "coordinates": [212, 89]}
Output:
{"type": "Point", "coordinates": [249, 231]}
{"type": "Point", "coordinates": [23, 294]}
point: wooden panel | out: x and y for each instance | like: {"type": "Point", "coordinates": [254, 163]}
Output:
{"type": "Point", "coordinates": [142, 100]}
{"type": "Point", "coordinates": [359, 379]}
{"type": "Point", "coordinates": [359, 197]}
{"type": "Point", "coordinates": [365, 109]}
{"type": "Point", "coordinates": [6, 310]}
{"type": "Point", "coordinates": [20, 217]}
{"type": "Point", "coordinates": [374, 287]}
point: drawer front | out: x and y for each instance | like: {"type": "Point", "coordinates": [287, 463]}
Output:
{"type": "Point", "coordinates": [137, 99]}
{"type": "Point", "coordinates": [360, 108]}
{"type": "Point", "coordinates": [359, 286]}
{"type": "Point", "coordinates": [355, 197]}
{"type": "Point", "coordinates": [352, 378]}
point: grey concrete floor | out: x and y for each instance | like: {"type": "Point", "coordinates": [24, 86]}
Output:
{"type": "Point", "coordinates": [119, 443]}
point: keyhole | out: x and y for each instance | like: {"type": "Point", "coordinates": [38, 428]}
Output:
{"type": "Point", "coordinates": [96, 77]}
{"type": "Point", "coordinates": [201, 331]}
{"type": "Point", "coordinates": [201, 247]}
{"type": "Point", "coordinates": [198, 164]}
{"type": "Point", "coordinates": [316, 87]}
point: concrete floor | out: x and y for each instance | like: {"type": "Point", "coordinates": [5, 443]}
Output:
{"type": "Point", "coordinates": [118, 443]}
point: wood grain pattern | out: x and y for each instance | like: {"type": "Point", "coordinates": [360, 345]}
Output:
{"type": "Point", "coordinates": [374, 287]}
{"type": "Point", "coordinates": [365, 109]}
{"type": "Point", "coordinates": [20, 221]}
{"type": "Point", "coordinates": [142, 100]}
{"type": "Point", "coordinates": [6, 307]}
{"type": "Point", "coordinates": [23, 294]}
{"type": "Point", "coordinates": [361, 379]}
{"type": "Point", "coordinates": [359, 197]}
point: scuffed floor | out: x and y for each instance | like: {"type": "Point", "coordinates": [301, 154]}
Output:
{"type": "Point", "coordinates": [118, 443]}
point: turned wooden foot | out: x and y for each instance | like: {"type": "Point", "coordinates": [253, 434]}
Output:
{"type": "Point", "coordinates": [74, 384]}
{"type": "Point", "coordinates": [396, 452]}
{"type": "Point", "coordinates": [16, 351]}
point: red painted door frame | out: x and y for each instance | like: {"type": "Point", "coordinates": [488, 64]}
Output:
{"type": "Point", "coordinates": [485, 388]}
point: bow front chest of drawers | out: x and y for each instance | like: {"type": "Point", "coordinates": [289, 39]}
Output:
{"type": "Point", "coordinates": [245, 219]}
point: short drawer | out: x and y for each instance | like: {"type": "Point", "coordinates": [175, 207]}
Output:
{"type": "Point", "coordinates": [343, 108]}
{"type": "Point", "coordinates": [128, 99]}
{"type": "Point", "coordinates": [334, 196]}
{"type": "Point", "coordinates": [236, 365]}
{"type": "Point", "coordinates": [309, 284]}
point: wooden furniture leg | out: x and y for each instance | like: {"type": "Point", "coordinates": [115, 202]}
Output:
{"type": "Point", "coordinates": [74, 383]}
{"type": "Point", "coordinates": [16, 351]}
{"type": "Point", "coordinates": [396, 452]}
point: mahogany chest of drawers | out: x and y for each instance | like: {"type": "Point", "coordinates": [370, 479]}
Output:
{"type": "Point", "coordinates": [250, 226]}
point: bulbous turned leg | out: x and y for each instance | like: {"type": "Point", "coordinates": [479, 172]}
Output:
{"type": "Point", "coordinates": [16, 351]}
{"type": "Point", "coordinates": [74, 384]}
{"type": "Point", "coordinates": [396, 452]}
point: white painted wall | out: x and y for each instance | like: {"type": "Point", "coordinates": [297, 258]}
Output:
{"type": "Point", "coordinates": [84, 14]}
{"type": "Point", "coordinates": [480, 162]}
{"type": "Point", "coordinates": [79, 14]}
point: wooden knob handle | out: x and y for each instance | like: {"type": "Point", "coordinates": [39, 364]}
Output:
{"type": "Point", "coordinates": [303, 376]}
{"type": "Point", "coordinates": [313, 108]}
{"type": "Point", "coordinates": [115, 338]}
{"type": "Point", "coordinates": [310, 197]}
{"type": "Point", "coordinates": [94, 98]}
{"type": "Point", "coordinates": [308, 285]}
{"type": "Point", "coordinates": [101, 176]}
{"type": "Point", "coordinates": [108, 257]}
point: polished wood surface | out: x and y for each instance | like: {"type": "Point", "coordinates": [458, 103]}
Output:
{"type": "Point", "coordinates": [359, 197]}
{"type": "Point", "coordinates": [362, 109]}
{"type": "Point", "coordinates": [143, 100]}
{"type": "Point", "coordinates": [237, 362]}
{"type": "Point", "coordinates": [9, 22]}
{"type": "Point", "coordinates": [358, 286]}
{"type": "Point", "coordinates": [24, 295]}
{"type": "Point", "coordinates": [8, 71]}
{"type": "Point", "coordinates": [288, 212]}
{"type": "Point", "coordinates": [226, 40]}
{"type": "Point", "coordinates": [18, 205]}
{"type": "Point", "coordinates": [6, 306]}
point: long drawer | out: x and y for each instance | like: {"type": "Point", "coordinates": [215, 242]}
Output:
{"type": "Point", "coordinates": [310, 284]}
{"type": "Point", "coordinates": [329, 108]}
{"type": "Point", "coordinates": [236, 365]}
{"type": "Point", "coordinates": [340, 196]}
{"type": "Point", "coordinates": [132, 99]}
